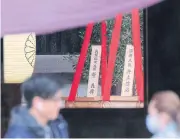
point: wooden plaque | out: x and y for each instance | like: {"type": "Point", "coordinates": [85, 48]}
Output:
{"type": "Point", "coordinates": [92, 90]}
{"type": "Point", "coordinates": [128, 75]}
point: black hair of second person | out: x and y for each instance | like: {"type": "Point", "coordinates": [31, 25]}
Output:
{"type": "Point", "coordinates": [41, 86]}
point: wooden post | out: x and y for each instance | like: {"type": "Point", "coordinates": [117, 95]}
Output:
{"type": "Point", "coordinates": [92, 90]}
{"type": "Point", "coordinates": [128, 75]}
{"type": "Point", "coordinates": [19, 57]}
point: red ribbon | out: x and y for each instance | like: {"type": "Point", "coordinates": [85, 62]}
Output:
{"type": "Point", "coordinates": [112, 57]}
{"type": "Point", "coordinates": [137, 54]}
{"type": "Point", "coordinates": [103, 55]}
{"type": "Point", "coordinates": [80, 64]}
{"type": "Point", "coordinates": [107, 69]}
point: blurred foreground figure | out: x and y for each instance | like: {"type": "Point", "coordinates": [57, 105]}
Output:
{"type": "Point", "coordinates": [40, 117]}
{"type": "Point", "coordinates": [163, 119]}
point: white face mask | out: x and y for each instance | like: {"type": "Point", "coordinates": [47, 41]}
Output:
{"type": "Point", "coordinates": [153, 124]}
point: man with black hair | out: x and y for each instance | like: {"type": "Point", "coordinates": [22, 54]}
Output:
{"type": "Point", "coordinates": [40, 117]}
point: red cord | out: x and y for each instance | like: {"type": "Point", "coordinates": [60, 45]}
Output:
{"type": "Point", "coordinates": [108, 69]}
{"type": "Point", "coordinates": [112, 57]}
{"type": "Point", "coordinates": [137, 54]}
{"type": "Point", "coordinates": [103, 55]}
{"type": "Point", "coordinates": [80, 64]}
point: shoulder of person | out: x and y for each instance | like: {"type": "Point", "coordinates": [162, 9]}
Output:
{"type": "Point", "coordinates": [60, 127]}
{"type": "Point", "coordinates": [60, 120]}
{"type": "Point", "coordinates": [18, 132]}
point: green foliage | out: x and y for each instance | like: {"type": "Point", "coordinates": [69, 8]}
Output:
{"type": "Point", "coordinates": [126, 38]}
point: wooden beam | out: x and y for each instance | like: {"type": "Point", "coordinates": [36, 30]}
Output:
{"type": "Point", "coordinates": [97, 102]}
{"type": "Point", "coordinates": [55, 63]}
{"type": "Point", "coordinates": [112, 98]}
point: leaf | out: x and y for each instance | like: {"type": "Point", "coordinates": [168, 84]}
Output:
{"type": "Point", "coordinates": [126, 38]}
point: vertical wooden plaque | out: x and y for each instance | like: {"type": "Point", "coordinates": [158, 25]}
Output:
{"type": "Point", "coordinates": [92, 90]}
{"type": "Point", "coordinates": [128, 74]}
{"type": "Point", "coordinates": [19, 57]}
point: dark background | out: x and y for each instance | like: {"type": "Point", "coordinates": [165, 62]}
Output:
{"type": "Point", "coordinates": [162, 68]}
{"type": "Point", "coordinates": [164, 46]}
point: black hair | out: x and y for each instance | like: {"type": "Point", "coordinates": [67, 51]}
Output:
{"type": "Point", "coordinates": [41, 86]}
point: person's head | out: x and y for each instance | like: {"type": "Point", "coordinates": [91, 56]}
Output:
{"type": "Point", "coordinates": [164, 109]}
{"type": "Point", "coordinates": [43, 96]}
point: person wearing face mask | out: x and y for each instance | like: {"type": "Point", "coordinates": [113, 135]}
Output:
{"type": "Point", "coordinates": [163, 119]}
{"type": "Point", "coordinates": [40, 117]}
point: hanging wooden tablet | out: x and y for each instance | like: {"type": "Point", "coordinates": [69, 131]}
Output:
{"type": "Point", "coordinates": [92, 90]}
{"type": "Point", "coordinates": [128, 74]}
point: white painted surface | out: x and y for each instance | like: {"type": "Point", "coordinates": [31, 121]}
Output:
{"type": "Point", "coordinates": [92, 89]}
{"type": "Point", "coordinates": [128, 74]}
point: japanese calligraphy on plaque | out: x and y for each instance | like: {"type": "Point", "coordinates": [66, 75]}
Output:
{"type": "Point", "coordinates": [92, 90]}
{"type": "Point", "coordinates": [128, 74]}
